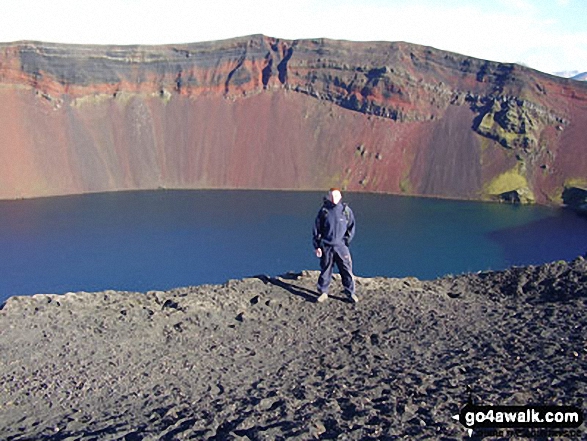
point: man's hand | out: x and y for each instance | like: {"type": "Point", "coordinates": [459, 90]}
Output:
{"type": "Point", "coordinates": [318, 252]}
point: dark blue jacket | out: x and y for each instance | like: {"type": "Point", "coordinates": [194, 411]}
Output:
{"type": "Point", "coordinates": [334, 225]}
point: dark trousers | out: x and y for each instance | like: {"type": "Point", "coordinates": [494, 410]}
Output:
{"type": "Point", "coordinates": [340, 255]}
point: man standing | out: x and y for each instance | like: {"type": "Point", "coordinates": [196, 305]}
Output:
{"type": "Point", "coordinates": [334, 229]}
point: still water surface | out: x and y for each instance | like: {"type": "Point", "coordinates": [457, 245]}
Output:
{"type": "Point", "coordinates": [142, 241]}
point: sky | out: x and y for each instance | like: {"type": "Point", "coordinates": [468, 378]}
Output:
{"type": "Point", "coordinates": [548, 35]}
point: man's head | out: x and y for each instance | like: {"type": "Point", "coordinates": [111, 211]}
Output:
{"type": "Point", "coordinates": [334, 195]}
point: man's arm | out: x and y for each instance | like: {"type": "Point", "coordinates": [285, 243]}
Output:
{"type": "Point", "coordinates": [350, 230]}
{"type": "Point", "coordinates": [317, 233]}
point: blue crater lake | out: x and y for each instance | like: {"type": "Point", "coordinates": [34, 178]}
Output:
{"type": "Point", "coordinates": [157, 240]}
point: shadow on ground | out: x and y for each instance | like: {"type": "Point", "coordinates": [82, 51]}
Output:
{"type": "Point", "coordinates": [285, 281]}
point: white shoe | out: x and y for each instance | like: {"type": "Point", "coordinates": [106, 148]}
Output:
{"type": "Point", "coordinates": [354, 298]}
{"type": "Point", "coordinates": [322, 297]}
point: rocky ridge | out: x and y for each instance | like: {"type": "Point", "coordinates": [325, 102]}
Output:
{"type": "Point", "coordinates": [317, 101]}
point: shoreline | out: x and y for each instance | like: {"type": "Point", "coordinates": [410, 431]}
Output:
{"type": "Point", "coordinates": [293, 190]}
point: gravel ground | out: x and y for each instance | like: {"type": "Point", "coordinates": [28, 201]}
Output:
{"type": "Point", "coordinates": [259, 359]}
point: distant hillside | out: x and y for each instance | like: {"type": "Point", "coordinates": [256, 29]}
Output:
{"type": "Point", "coordinates": [566, 73]}
{"type": "Point", "coordinates": [266, 113]}
{"type": "Point", "coordinates": [580, 77]}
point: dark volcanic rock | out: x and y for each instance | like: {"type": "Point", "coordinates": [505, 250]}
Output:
{"type": "Point", "coordinates": [259, 359]}
{"type": "Point", "coordinates": [260, 112]}
{"type": "Point", "coordinates": [576, 198]}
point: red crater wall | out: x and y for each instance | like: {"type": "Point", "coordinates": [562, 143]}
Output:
{"type": "Point", "coordinates": [262, 113]}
